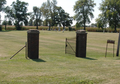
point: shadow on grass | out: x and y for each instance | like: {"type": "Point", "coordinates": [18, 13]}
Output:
{"type": "Point", "coordinates": [38, 60]}
{"type": "Point", "coordinates": [88, 58]}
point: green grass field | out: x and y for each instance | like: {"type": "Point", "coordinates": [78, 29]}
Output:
{"type": "Point", "coordinates": [54, 66]}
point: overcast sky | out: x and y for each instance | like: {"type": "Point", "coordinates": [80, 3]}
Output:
{"type": "Point", "coordinates": [67, 5]}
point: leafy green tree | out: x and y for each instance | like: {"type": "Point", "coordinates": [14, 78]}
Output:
{"type": "Point", "coordinates": [93, 25]}
{"type": "Point", "coordinates": [66, 20]}
{"type": "Point", "coordinates": [45, 12]}
{"type": "Point", "coordinates": [37, 14]}
{"type": "Point", "coordinates": [18, 12]}
{"type": "Point", "coordinates": [31, 19]}
{"type": "Point", "coordinates": [2, 3]}
{"type": "Point", "coordinates": [53, 13]}
{"type": "Point", "coordinates": [69, 21]}
{"type": "Point", "coordinates": [9, 22]}
{"type": "Point", "coordinates": [57, 15]}
{"type": "Point", "coordinates": [101, 21]}
{"type": "Point", "coordinates": [49, 9]}
{"type": "Point", "coordinates": [119, 25]}
{"type": "Point", "coordinates": [39, 22]}
{"type": "Point", "coordinates": [63, 18]}
{"type": "Point", "coordinates": [77, 25]}
{"type": "Point", "coordinates": [30, 23]}
{"type": "Point", "coordinates": [111, 10]}
{"type": "Point", "coordinates": [4, 22]}
{"type": "Point", "coordinates": [8, 11]}
{"type": "Point", "coordinates": [83, 10]}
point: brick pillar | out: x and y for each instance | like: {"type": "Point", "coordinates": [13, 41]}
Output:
{"type": "Point", "coordinates": [33, 43]}
{"type": "Point", "coordinates": [81, 40]}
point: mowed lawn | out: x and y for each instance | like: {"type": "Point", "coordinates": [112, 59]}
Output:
{"type": "Point", "coordinates": [54, 66]}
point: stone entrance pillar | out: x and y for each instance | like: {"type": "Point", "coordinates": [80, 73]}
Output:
{"type": "Point", "coordinates": [81, 40]}
{"type": "Point", "coordinates": [33, 43]}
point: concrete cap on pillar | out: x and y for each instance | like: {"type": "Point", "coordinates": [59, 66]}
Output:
{"type": "Point", "coordinates": [81, 31]}
{"type": "Point", "coordinates": [33, 31]}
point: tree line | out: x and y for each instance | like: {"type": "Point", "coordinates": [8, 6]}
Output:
{"type": "Point", "coordinates": [49, 14]}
